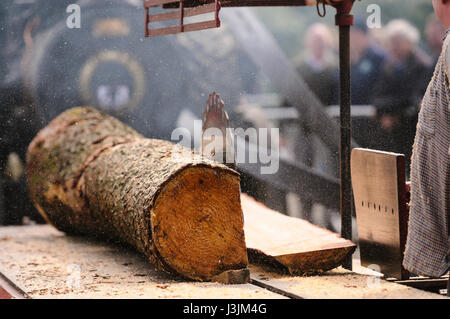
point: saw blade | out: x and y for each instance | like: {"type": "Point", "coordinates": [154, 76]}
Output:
{"type": "Point", "coordinates": [217, 139]}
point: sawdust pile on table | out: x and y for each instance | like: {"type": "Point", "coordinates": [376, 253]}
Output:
{"type": "Point", "coordinates": [42, 261]}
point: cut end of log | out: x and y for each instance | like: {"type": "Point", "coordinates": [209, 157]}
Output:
{"type": "Point", "coordinates": [200, 209]}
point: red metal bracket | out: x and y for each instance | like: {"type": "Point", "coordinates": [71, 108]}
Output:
{"type": "Point", "coordinates": [179, 14]}
{"type": "Point", "coordinates": [343, 8]}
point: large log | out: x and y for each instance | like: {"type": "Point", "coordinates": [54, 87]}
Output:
{"type": "Point", "coordinates": [89, 174]}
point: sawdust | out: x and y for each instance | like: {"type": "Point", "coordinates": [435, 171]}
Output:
{"type": "Point", "coordinates": [42, 261]}
{"type": "Point", "coordinates": [38, 259]}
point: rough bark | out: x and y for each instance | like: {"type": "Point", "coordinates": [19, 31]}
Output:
{"type": "Point", "coordinates": [89, 174]}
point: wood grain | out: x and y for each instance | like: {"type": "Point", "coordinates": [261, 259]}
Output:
{"type": "Point", "coordinates": [290, 243]}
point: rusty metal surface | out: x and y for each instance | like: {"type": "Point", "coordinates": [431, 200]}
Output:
{"type": "Point", "coordinates": [344, 20]}
{"type": "Point", "coordinates": [9, 290]}
{"type": "Point", "coordinates": [346, 136]}
{"type": "Point", "coordinates": [261, 3]}
{"type": "Point", "coordinates": [4, 294]}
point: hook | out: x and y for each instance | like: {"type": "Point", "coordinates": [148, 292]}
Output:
{"type": "Point", "coordinates": [318, 8]}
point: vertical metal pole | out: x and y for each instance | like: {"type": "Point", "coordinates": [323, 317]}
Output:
{"type": "Point", "coordinates": [147, 21]}
{"type": "Point", "coordinates": [346, 136]}
{"type": "Point", "coordinates": [344, 20]}
{"type": "Point", "coordinates": [181, 16]}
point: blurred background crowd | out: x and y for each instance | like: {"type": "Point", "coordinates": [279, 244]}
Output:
{"type": "Point", "coordinates": [391, 68]}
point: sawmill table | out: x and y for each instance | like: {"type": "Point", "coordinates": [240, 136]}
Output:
{"type": "Point", "coordinates": [41, 261]}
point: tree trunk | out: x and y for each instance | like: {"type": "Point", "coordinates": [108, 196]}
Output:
{"type": "Point", "coordinates": [89, 174]}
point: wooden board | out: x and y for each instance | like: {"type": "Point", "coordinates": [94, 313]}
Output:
{"type": "Point", "coordinates": [378, 180]}
{"type": "Point", "coordinates": [289, 242]}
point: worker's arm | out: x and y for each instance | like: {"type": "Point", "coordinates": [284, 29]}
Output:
{"type": "Point", "coordinates": [447, 62]}
{"type": "Point", "coordinates": [447, 72]}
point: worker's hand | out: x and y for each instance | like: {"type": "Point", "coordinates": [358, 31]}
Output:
{"type": "Point", "coordinates": [388, 122]}
{"type": "Point", "coordinates": [408, 194]}
{"type": "Point", "coordinates": [408, 186]}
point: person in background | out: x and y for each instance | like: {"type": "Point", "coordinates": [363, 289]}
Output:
{"type": "Point", "coordinates": [318, 63]}
{"type": "Point", "coordinates": [434, 34]}
{"type": "Point", "coordinates": [367, 60]}
{"type": "Point", "coordinates": [428, 244]}
{"type": "Point", "coordinates": [399, 88]}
